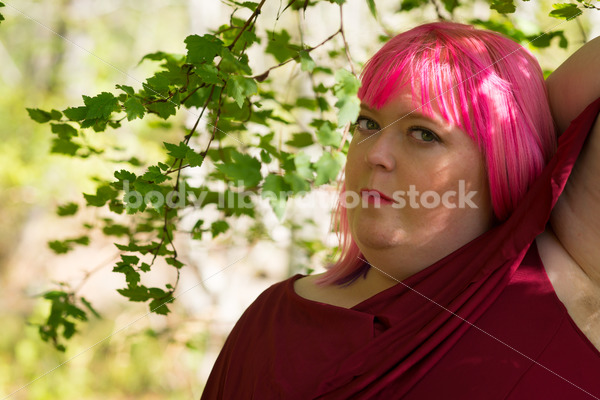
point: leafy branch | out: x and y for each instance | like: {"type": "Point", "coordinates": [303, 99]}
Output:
{"type": "Point", "coordinates": [259, 145]}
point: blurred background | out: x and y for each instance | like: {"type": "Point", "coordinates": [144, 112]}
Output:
{"type": "Point", "coordinates": [52, 53]}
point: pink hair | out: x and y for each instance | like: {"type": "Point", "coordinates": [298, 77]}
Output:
{"type": "Point", "coordinates": [488, 85]}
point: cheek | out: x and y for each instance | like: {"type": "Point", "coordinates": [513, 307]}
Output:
{"type": "Point", "coordinates": [353, 165]}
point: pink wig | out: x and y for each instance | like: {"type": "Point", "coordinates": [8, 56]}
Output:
{"type": "Point", "coordinates": [486, 84]}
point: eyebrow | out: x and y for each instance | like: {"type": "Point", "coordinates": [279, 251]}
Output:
{"type": "Point", "coordinates": [415, 113]}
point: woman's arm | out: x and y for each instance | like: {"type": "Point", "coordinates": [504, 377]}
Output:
{"type": "Point", "coordinates": [576, 217]}
{"type": "Point", "coordinates": [575, 84]}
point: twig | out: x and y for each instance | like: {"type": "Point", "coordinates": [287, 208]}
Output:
{"type": "Point", "coordinates": [346, 46]}
{"type": "Point", "coordinates": [254, 14]}
{"type": "Point", "coordinates": [264, 74]}
{"type": "Point", "coordinates": [437, 10]}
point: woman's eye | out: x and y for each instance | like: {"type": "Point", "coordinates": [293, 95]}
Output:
{"type": "Point", "coordinates": [423, 135]}
{"type": "Point", "coordinates": [366, 124]}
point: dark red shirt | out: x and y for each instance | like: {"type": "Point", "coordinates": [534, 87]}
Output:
{"type": "Point", "coordinates": [482, 323]}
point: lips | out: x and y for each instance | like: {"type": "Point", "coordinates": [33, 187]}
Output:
{"type": "Point", "coordinates": [372, 194]}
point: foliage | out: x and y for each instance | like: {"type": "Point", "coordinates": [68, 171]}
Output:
{"type": "Point", "coordinates": [142, 363]}
{"type": "Point", "coordinates": [247, 140]}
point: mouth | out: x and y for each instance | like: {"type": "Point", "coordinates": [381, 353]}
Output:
{"type": "Point", "coordinates": [373, 196]}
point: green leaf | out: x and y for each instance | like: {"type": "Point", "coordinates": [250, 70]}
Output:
{"type": "Point", "coordinates": [134, 108]}
{"type": "Point", "coordinates": [56, 115]}
{"type": "Point", "coordinates": [303, 166]}
{"type": "Point", "coordinates": [174, 262]}
{"type": "Point", "coordinates": [55, 294]}
{"type": "Point", "coordinates": [202, 49]}
{"type": "Point", "coordinates": [64, 131]}
{"type": "Point", "coordinates": [67, 209]}
{"type": "Point", "coordinates": [132, 277]}
{"type": "Point", "coordinates": [345, 90]}
{"type": "Point", "coordinates": [64, 246]}
{"type": "Point", "coordinates": [82, 240]}
{"type": "Point", "coordinates": [240, 87]}
{"type": "Point", "coordinates": [297, 183]}
{"type": "Point", "coordinates": [503, 6]}
{"type": "Point", "coordinates": [130, 259]}
{"type": "Point", "coordinates": [327, 134]}
{"type": "Point", "coordinates": [76, 113]}
{"type": "Point", "coordinates": [504, 26]}
{"type": "Point", "coordinates": [231, 63]}
{"type": "Point", "coordinates": [565, 11]}
{"type": "Point", "coordinates": [127, 89]}
{"type": "Point", "coordinates": [89, 306]}
{"type": "Point", "coordinates": [75, 312]}
{"type": "Point", "coordinates": [218, 227]}
{"type": "Point", "coordinates": [279, 46]}
{"type": "Point", "coordinates": [328, 167]}
{"type": "Point", "coordinates": [372, 8]}
{"type": "Point", "coordinates": [266, 144]}
{"type": "Point", "coordinates": [115, 230]}
{"type": "Point", "coordinates": [301, 139]}
{"type": "Point", "coordinates": [244, 170]}
{"type": "Point", "coordinates": [59, 246]}
{"type": "Point", "coordinates": [101, 106]}
{"type": "Point", "coordinates": [163, 108]}
{"type": "Point", "coordinates": [136, 293]}
{"type": "Point", "coordinates": [64, 146]}
{"type": "Point", "coordinates": [246, 4]}
{"type": "Point", "coordinates": [158, 84]}
{"type": "Point", "coordinates": [124, 175]}
{"type": "Point", "coordinates": [38, 115]}
{"type": "Point", "coordinates": [276, 190]}
{"type": "Point", "coordinates": [177, 151]}
{"type": "Point", "coordinates": [307, 102]}
{"type": "Point", "coordinates": [69, 329]}
{"type": "Point", "coordinates": [144, 267]}
{"type": "Point", "coordinates": [209, 74]}
{"type": "Point", "coordinates": [408, 5]}
{"type": "Point", "coordinates": [168, 58]}
{"type": "Point", "coordinates": [159, 306]}
{"type": "Point", "coordinates": [193, 158]}
{"type": "Point", "coordinates": [265, 157]}
{"type": "Point", "coordinates": [450, 5]}
{"type": "Point", "coordinates": [103, 194]}
{"type": "Point", "coordinates": [306, 62]}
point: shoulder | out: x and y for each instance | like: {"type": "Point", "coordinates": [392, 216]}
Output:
{"type": "Point", "coordinates": [344, 296]}
{"type": "Point", "coordinates": [334, 295]}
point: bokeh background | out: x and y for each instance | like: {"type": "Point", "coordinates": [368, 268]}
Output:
{"type": "Point", "coordinates": [52, 53]}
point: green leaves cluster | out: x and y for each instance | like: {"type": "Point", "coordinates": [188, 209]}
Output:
{"type": "Point", "coordinates": [142, 203]}
{"type": "Point", "coordinates": [64, 313]}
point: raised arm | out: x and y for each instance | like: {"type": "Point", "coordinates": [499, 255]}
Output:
{"type": "Point", "coordinates": [570, 249]}
{"type": "Point", "coordinates": [575, 84]}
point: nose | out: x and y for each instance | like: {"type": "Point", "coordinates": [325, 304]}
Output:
{"type": "Point", "coordinates": [380, 151]}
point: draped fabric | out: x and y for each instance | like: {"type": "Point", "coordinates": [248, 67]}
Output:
{"type": "Point", "coordinates": [488, 293]}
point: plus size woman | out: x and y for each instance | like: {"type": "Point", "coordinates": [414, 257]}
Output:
{"type": "Point", "coordinates": [470, 264]}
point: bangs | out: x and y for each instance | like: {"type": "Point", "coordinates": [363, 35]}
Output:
{"type": "Point", "coordinates": [443, 79]}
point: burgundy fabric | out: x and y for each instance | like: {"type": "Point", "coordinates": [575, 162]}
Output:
{"type": "Point", "coordinates": [483, 322]}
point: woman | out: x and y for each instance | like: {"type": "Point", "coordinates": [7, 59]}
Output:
{"type": "Point", "coordinates": [447, 296]}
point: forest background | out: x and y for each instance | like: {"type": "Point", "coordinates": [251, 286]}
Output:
{"type": "Point", "coordinates": [83, 318]}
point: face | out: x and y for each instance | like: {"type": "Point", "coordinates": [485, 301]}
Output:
{"type": "Point", "coordinates": [428, 170]}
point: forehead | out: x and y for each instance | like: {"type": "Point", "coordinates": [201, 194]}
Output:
{"type": "Point", "coordinates": [414, 101]}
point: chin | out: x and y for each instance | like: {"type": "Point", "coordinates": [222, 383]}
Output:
{"type": "Point", "coordinates": [378, 239]}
